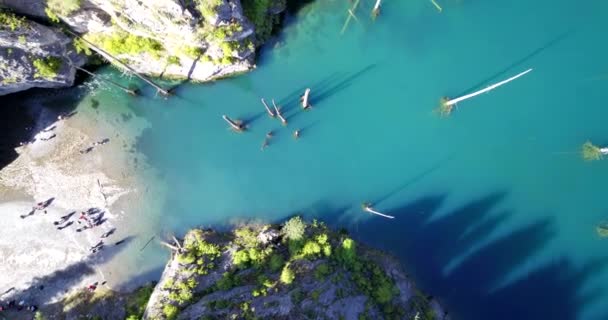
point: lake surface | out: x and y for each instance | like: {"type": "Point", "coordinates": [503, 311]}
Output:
{"type": "Point", "coordinates": [495, 208]}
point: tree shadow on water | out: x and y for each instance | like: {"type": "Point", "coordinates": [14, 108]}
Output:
{"type": "Point", "coordinates": [427, 242]}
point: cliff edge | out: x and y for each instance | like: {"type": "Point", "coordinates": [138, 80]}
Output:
{"type": "Point", "coordinates": [197, 40]}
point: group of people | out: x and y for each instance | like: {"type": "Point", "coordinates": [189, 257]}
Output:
{"type": "Point", "coordinates": [13, 305]}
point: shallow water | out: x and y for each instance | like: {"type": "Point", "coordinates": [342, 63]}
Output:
{"type": "Point", "coordinates": [495, 209]}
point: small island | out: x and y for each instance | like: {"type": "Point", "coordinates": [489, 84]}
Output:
{"type": "Point", "coordinates": [295, 270]}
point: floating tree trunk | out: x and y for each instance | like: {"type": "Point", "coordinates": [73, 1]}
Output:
{"type": "Point", "coordinates": [270, 113]}
{"type": "Point", "coordinates": [447, 105]}
{"type": "Point", "coordinates": [279, 114]}
{"type": "Point", "coordinates": [351, 15]}
{"type": "Point", "coordinates": [437, 5]}
{"type": "Point", "coordinates": [234, 124]}
{"type": "Point", "coordinates": [105, 53]}
{"type": "Point", "coordinates": [592, 152]}
{"type": "Point", "coordinates": [376, 10]}
{"type": "Point", "coordinates": [125, 89]}
{"type": "Point", "coordinates": [368, 207]}
{"type": "Point", "coordinates": [304, 99]}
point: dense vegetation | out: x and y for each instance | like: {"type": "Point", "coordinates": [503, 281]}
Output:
{"type": "Point", "coordinates": [47, 67]}
{"type": "Point", "coordinates": [277, 265]}
{"type": "Point", "coordinates": [257, 11]}
{"type": "Point", "coordinates": [121, 42]}
{"type": "Point", "coordinates": [10, 21]}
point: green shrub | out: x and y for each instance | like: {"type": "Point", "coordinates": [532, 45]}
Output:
{"type": "Point", "coordinates": [294, 228]}
{"type": "Point", "coordinates": [22, 39]}
{"type": "Point", "coordinates": [228, 281]}
{"type": "Point", "coordinates": [257, 12]}
{"type": "Point", "coordinates": [347, 252]}
{"type": "Point", "coordinates": [241, 258]}
{"type": "Point", "coordinates": [322, 271]}
{"type": "Point", "coordinates": [39, 316]}
{"type": "Point", "coordinates": [315, 295]}
{"type": "Point", "coordinates": [173, 60]}
{"type": "Point", "coordinates": [121, 42]}
{"type": "Point", "coordinates": [311, 249]}
{"type": "Point", "coordinates": [10, 21]}
{"type": "Point", "coordinates": [63, 7]}
{"type": "Point", "coordinates": [275, 263]}
{"type": "Point", "coordinates": [51, 15]}
{"type": "Point", "coordinates": [170, 311]}
{"type": "Point", "coordinates": [192, 52]}
{"type": "Point", "coordinates": [81, 46]}
{"type": "Point", "coordinates": [199, 252]}
{"type": "Point", "coordinates": [48, 67]}
{"type": "Point", "coordinates": [287, 275]}
{"type": "Point", "coordinates": [136, 304]}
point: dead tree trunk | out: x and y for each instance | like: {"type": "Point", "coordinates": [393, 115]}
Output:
{"type": "Point", "coordinates": [351, 15]}
{"type": "Point", "coordinates": [447, 105]}
{"type": "Point", "coordinates": [376, 10]}
{"type": "Point", "coordinates": [270, 113]}
{"type": "Point", "coordinates": [105, 53]}
{"type": "Point", "coordinates": [125, 89]}
{"type": "Point", "coordinates": [283, 120]}
{"type": "Point", "coordinates": [236, 126]}
{"type": "Point", "coordinates": [437, 5]}
{"type": "Point", "coordinates": [304, 99]}
{"type": "Point", "coordinates": [367, 207]}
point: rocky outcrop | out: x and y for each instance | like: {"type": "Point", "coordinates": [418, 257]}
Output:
{"type": "Point", "coordinates": [33, 55]}
{"type": "Point", "coordinates": [253, 273]}
{"type": "Point", "coordinates": [198, 40]}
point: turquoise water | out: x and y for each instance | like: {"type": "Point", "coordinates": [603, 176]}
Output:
{"type": "Point", "coordinates": [495, 209]}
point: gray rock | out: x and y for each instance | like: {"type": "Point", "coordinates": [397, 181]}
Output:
{"type": "Point", "coordinates": [19, 49]}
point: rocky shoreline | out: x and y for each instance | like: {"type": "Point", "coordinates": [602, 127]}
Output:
{"type": "Point", "coordinates": [194, 40]}
{"type": "Point", "coordinates": [295, 270]}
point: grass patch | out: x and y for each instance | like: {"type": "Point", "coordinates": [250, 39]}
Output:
{"type": "Point", "coordinates": [136, 303]}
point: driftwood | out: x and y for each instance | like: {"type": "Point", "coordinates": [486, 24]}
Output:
{"type": "Point", "coordinates": [125, 89]}
{"type": "Point", "coordinates": [447, 105]}
{"type": "Point", "coordinates": [304, 99]}
{"type": "Point", "coordinates": [235, 125]}
{"type": "Point", "coordinates": [279, 114]}
{"type": "Point", "coordinates": [367, 207]}
{"type": "Point", "coordinates": [270, 113]}
{"type": "Point", "coordinates": [105, 53]}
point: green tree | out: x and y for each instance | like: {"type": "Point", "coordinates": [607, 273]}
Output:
{"type": "Point", "coordinates": [294, 228]}
{"type": "Point", "coordinates": [287, 275]}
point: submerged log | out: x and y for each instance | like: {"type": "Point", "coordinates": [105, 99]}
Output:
{"type": "Point", "coordinates": [437, 5]}
{"type": "Point", "coordinates": [270, 113]}
{"type": "Point", "coordinates": [105, 53]}
{"type": "Point", "coordinates": [304, 99]}
{"type": "Point", "coordinates": [234, 124]}
{"type": "Point", "coordinates": [125, 89]}
{"type": "Point", "coordinates": [279, 114]}
{"type": "Point", "coordinates": [351, 15]}
{"type": "Point", "coordinates": [368, 207]}
{"type": "Point", "coordinates": [447, 104]}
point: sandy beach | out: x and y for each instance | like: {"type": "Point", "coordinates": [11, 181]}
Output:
{"type": "Point", "coordinates": [47, 254]}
